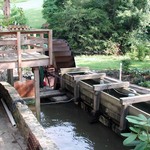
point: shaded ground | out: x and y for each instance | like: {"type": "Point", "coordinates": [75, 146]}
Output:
{"type": "Point", "coordinates": [10, 137]}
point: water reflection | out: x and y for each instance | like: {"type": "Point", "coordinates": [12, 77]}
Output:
{"type": "Point", "coordinates": [68, 126]}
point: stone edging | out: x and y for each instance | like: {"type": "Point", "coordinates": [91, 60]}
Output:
{"type": "Point", "coordinates": [26, 121]}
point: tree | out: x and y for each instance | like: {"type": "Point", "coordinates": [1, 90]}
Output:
{"type": "Point", "coordinates": [91, 26]}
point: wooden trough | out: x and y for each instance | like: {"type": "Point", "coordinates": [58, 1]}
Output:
{"type": "Point", "coordinates": [112, 98]}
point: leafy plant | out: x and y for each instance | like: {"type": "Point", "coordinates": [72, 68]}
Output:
{"type": "Point", "coordinates": [17, 17]}
{"type": "Point", "coordinates": [126, 64]}
{"type": "Point", "coordinates": [139, 137]}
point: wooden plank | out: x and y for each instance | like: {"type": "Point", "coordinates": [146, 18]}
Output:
{"type": "Point", "coordinates": [19, 55]}
{"type": "Point", "coordinates": [102, 87]}
{"type": "Point", "coordinates": [39, 39]}
{"type": "Point", "coordinates": [140, 89]}
{"type": "Point", "coordinates": [123, 120]}
{"type": "Point", "coordinates": [60, 53]}
{"type": "Point", "coordinates": [10, 77]}
{"type": "Point", "coordinates": [63, 59]}
{"type": "Point", "coordinates": [35, 50]}
{"type": "Point", "coordinates": [89, 76]}
{"type": "Point", "coordinates": [37, 92]}
{"type": "Point", "coordinates": [59, 98]}
{"type": "Point", "coordinates": [85, 86]}
{"type": "Point", "coordinates": [50, 47]}
{"type": "Point", "coordinates": [111, 79]}
{"type": "Point", "coordinates": [7, 42]}
{"type": "Point", "coordinates": [135, 99]}
{"type": "Point", "coordinates": [7, 51]}
{"type": "Point", "coordinates": [73, 69]}
{"type": "Point", "coordinates": [60, 49]}
{"type": "Point", "coordinates": [136, 111]}
{"type": "Point", "coordinates": [51, 93]}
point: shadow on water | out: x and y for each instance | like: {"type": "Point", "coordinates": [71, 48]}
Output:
{"type": "Point", "coordinates": [69, 127]}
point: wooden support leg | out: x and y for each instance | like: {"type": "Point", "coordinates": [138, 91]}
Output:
{"type": "Point", "coordinates": [123, 117]}
{"type": "Point", "coordinates": [96, 102]}
{"type": "Point", "coordinates": [37, 92]}
{"type": "Point", "coordinates": [76, 92]}
{"type": "Point", "coordinates": [10, 79]}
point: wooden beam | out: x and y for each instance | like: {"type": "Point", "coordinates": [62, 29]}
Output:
{"type": "Point", "coordinates": [74, 69]}
{"type": "Point", "coordinates": [19, 55]}
{"type": "Point", "coordinates": [10, 77]}
{"type": "Point", "coordinates": [50, 47]}
{"type": "Point", "coordinates": [135, 99]}
{"type": "Point", "coordinates": [102, 87]}
{"type": "Point", "coordinates": [37, 92]}
{"type": "Point", "coordinates": [89, 76]}
{"type": "Point", "coordinates": [7, 42]}
{"type": "Point", "coordinates": [124, 112]}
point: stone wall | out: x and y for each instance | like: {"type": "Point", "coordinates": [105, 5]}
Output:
{"type": "Point", "coordinates": [26, 121]}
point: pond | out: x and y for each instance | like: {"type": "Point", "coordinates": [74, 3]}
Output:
{"type": "Point", "coordinates": [69, 127]}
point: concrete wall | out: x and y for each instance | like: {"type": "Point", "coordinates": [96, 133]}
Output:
{"type": "Point", "coordinates": [26, 121]}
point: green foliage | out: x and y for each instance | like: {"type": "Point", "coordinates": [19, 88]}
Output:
{"type": "Point", "coordinates": [16, 17]}
{"type": "Point", "coordinates": [99, 26]}
{"type": "Point", "coordinates": [145, 84]}
{"type": "Point", "coordinates": [139, 137]}
{"type": "Point", "coordinates": [126, 65]}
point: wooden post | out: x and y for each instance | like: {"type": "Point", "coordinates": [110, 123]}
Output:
{"type": "Point", "coordinates": [37, 91]}
{"type": "Point", "coordinates": [124, 112]}
{"type": "Point", "coordinates": [10, 76]}
{"type": "Point", "coordinates": [19, 55]}
{"type": "Point", "coordinates": [6, 8]}
{"type": "Point", "coordinates": [96, 102]}
{"type": "Point", "coordinates": [50, 47]}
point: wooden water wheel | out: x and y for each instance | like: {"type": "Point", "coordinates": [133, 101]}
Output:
{"type": "Point", "coordinates": [63, 58]}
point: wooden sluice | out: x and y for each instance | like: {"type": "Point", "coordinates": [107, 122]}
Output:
{"type": "Point", "coordinates": [111, 98]}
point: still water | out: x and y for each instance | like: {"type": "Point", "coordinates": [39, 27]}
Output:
{"type": "Point", "coordinates": [68, 126]}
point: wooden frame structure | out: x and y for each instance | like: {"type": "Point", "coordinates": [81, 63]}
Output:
{"type": "Point", "coordinates": [95, 92]}
{"type": "Point", "coordinates": [19, 49]}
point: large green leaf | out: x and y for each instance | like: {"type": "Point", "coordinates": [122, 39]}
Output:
{"type": "Point", "coordinates": [143, 137]}
{"type": "Point", "coordinates": [126, 134]}
{"type": "Point", "coordinates": [142, 117]}
{"type": "Point", "coordinates": [130, 139]}
{"type": "Point", "coordinates": [141, 146]}
{"type": "Point", "coordinates": [134, 129]}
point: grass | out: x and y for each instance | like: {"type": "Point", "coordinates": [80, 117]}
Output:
{"type": "Point", "coordinates": [34, 17]}
{"type": "Point", "coordinates": [101, 62]}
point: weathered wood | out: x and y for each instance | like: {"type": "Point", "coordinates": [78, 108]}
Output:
{"type": "Point", "coordinates": [135, 99]}
{"type": "Point", "coordinates": [7, 42]}
{"type": "Point", "coordinates": [60, 53]}
{"type": "Point", "coordinates": [19, 55]}
{"type": "Point", "coordinates": [123, 121]}
{"type": "Point", "coordinates": [63, 59]}
{"type": "Point", "coordinates": [51, 93]}
{"type": "Point", "coordinates": [89, 76]}
{"type": "Point", "coordinates": [10, 76]}
{"type": "Point", "coordinates": [50, 47]}
{"type": "Point", "coordinates": [37, 92]}
{"type": "Point", "coordinates": [136, 111]}
{"type": "Point", "coordinates": [59, 98]}
{"type": "Point", "coordinates": [74, 69]}
{"type": "Point", "coordinates": [102, 87]}
{"type": "Point", "coordinates": [140, 89]}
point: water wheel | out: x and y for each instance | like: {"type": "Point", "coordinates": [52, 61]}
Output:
{"type": "Point", "coordinates": [63, 58]}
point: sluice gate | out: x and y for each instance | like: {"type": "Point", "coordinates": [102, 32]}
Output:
{"type": "Point", "coordinates": [112, 100]}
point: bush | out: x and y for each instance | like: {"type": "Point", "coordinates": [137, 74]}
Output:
{"type": "Point", "coordinates": [125, 65]}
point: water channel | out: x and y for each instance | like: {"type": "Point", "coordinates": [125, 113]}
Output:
{"type": "Point", "coordinates": [68, 126]}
